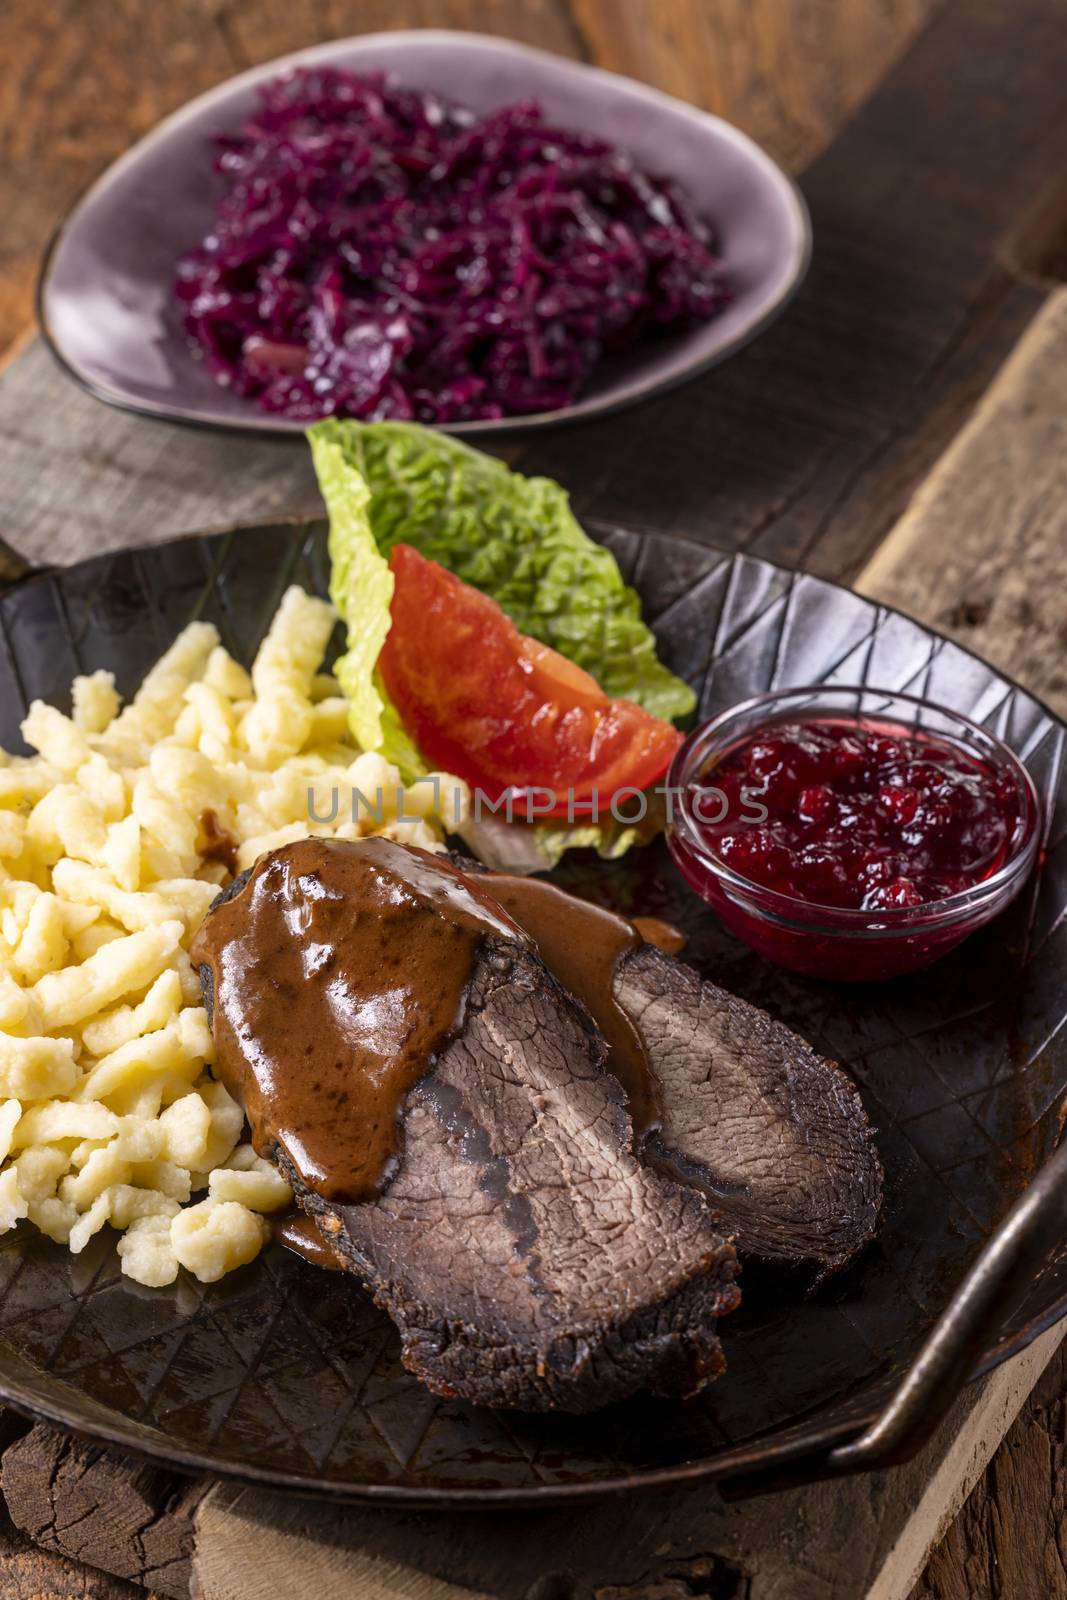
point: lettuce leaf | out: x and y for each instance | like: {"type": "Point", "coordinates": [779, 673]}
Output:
{"type": "Point", "coordinates": [514, 538]}
{"type": "Point", "coordinates": [361, 587]}
{"type": "Point", "coordinates": [517, 540]}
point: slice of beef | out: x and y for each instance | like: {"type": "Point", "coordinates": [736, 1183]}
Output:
{"type": "Point", "coordinates": [527, 1256]}
{"type": "Point", "coordinates": [774, 1135]}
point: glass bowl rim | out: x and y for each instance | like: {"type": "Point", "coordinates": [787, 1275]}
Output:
{"type": "Point", "coordinates": [885, 922]}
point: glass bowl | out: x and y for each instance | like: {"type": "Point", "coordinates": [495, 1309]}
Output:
{"type": "Point", "coordinates": [844, 943]}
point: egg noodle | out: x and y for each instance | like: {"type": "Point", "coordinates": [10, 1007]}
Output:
{"type": "Point", "coordinates": [114, 840]}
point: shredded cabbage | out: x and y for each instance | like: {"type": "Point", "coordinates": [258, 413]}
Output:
{"type": "Point", "coordinates": [380, 252]}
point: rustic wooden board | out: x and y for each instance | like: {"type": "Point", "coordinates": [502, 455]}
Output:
{"type": "Point", "coordinates": [805, 449]}
{"type": "Point", "coordinates": [1007, 1544]}
{"type": "Point", "coordinates": [100, 1509]}
{"type": "Point", "coordinates": [808, 450]}
{"type": "Point", "coordinates": [980, 553]}
{"type": "Point", "coordinates": [933, 221]}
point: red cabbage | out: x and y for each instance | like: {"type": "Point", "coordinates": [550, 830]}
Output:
{"type": "Point", "coordinates": [382, 252]}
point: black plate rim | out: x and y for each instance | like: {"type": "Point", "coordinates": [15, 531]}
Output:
{"type": "Point", "coordinates": [803, 1449]}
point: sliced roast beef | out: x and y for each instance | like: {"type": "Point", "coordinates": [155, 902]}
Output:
{"type": "Point", "coordinates": [528, 1257]}
{"type": "Point", "coordinates": [773, 1134]}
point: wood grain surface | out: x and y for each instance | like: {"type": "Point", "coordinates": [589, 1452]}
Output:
{"type": "Point", "coordinates": [950, 561]}
{"type": "Point", "coordinates": [808, 447]}
{"type": "Point", "coordinates": [877, 432]}
{"type": "Point", "coordinates": [1009, 1541]}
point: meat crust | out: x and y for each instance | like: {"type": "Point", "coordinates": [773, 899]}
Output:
{"type": "Point", "coordinates": [527, 1256]}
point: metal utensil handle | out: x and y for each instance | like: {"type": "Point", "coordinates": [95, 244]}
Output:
{"type": "Point", "coordinates": [970, 1323]}
{"type": "Point", "coordinates": [965, 1330]}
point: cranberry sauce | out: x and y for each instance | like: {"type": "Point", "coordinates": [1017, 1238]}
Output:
{"type": "Point", "coordinates": [861, 815]}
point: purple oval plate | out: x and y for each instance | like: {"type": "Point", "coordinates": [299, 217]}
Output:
{"type": "Point", "coordinates": [105, 293]}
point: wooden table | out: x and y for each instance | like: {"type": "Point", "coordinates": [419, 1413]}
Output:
{"type": "Point", "coordinates": [904, 428]}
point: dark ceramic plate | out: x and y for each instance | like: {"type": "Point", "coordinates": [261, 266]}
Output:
{"type": "Point", "coordinates": [290, 1376]}
{"type": "Point", "coordinates": [105, 299]}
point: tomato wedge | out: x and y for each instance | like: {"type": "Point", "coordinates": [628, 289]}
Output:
{"type": "Point", "coordinates": [504, 712]}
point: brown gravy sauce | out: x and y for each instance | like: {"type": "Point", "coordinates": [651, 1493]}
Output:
{"type": "Point", "coordinates": [580, 944]}
{"type": "Point", "coordinates": [298, 1233]}
{"type": "Point", "coordinates": [218, 845]}
{"type": "Point", "coordinates": [664, 935]}
{"type": "Point", "coordinates": [341, 970]}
